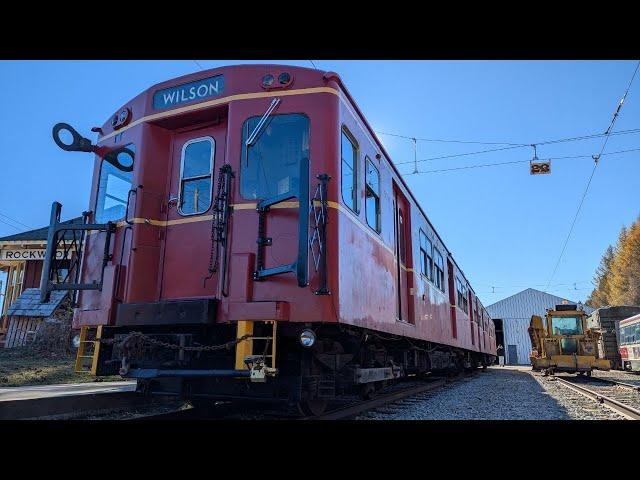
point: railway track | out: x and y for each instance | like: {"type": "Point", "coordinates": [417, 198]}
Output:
{"type": "Point", "coordinates": [396, 398]}
{"type": "Point", "coordinates": [623, 398]}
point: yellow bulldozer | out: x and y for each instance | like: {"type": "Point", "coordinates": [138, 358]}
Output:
{"type": "Point", "coordinates": [562, 342]}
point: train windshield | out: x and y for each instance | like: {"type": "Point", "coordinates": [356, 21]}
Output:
{"type": "Point", "coordinates": [271, 164]}
{"type": "Point", "coordinates": [113, 191]}
{"type": "Point", "coordinates": [566, 325]}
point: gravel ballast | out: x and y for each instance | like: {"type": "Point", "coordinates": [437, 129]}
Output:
{"type": "Point", "coordinates": [499, 393]}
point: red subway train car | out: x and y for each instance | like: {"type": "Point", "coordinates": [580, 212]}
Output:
{"type": "Point", "coordinates": [249, 236]}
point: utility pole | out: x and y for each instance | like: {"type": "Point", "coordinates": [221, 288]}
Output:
{"type": "Point", "coordinates": [415, 155]}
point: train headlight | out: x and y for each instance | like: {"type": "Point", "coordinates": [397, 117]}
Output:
{"type": "Point", "coordinates": [307, 338]}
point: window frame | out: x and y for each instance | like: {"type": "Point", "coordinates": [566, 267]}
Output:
{"type": "Point", "coordinates": [367, 161]}
{"type": "Point", "coordinates": [100, 174]}
{"type": "Point", "coordinates": [429, 255]}
{"type": "Point", "coordinates": [244, 148]}
{"type": "Point", "coordinates": [356, 204]}
{"type": "Point", "coordinates": [181, 179]}
{"type": "Point", "coordinates": [440, 271]}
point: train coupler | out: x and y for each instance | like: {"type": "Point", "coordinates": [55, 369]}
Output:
{"type": "Point", "coordinates": [258, 370]}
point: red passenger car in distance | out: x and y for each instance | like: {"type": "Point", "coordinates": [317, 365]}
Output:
{"type": "Point", "coordinates": [248, 236]}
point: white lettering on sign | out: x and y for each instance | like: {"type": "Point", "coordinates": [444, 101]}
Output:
{"type": "Point", "coordinates": [208, 87]}
{"type": "Point", "coordinates": [30, 254]}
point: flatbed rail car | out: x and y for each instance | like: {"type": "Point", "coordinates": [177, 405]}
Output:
{"type": "Point", "coordinates": [249, 236]}
{"type": "Point", "coordinates": [630, 343]}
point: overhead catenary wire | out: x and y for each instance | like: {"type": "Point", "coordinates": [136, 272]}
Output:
{"type": "Point", "coordinates": [596, 162]}
{"type": "Point", "coordinates": [198, 64]}
{"type": "Point", "coordinates": [548, 142]}
{"type": "Point", "coordinates": [14, 220]}
{"type": "Point", "coordinates": [12, 226]}
{"type": "Point", "coordinates": [496, 164]}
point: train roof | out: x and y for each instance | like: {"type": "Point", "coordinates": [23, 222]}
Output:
{"type": "Point", "coordinates": [309, 78]}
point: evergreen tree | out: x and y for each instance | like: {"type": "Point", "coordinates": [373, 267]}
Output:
{"type": "Point", "coordinates": [617, 279]}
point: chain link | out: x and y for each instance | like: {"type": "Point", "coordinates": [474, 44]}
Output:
{"type": "Point", "coordinates": [172, 346]}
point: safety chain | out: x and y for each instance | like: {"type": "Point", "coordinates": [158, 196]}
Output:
{"type": "Point", "coordinates": [172, 346]}
{"type": "Point", "coordinates": [218, 224]}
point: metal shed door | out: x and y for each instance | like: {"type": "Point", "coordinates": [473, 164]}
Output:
{"type": "Point", "coordinates": [512, 355]}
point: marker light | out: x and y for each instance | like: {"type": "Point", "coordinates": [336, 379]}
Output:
{"type": "Point", "coordinates": [267, 81]}
{"type": "Point", "coordinates": [307, 338]}
{"type": "Point", "coordinates": [284, 78]}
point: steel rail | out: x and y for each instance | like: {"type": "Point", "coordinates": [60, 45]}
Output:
{"type": "Point", "coordinates": [624, 410]}
{"type": "Point", "coordinates": [616, 382]}
{"type": "Point", "coordinates": [354, 409]}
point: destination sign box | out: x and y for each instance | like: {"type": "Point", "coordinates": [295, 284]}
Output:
{"type": "Point", "coordinates": [188, 92]}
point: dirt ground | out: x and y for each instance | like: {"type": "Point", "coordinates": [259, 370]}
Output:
{"type": "Point", "coordinates": [21, 367]}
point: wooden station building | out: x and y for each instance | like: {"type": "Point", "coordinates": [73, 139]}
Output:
{"type": "Point", "coordinates": [21, 259]}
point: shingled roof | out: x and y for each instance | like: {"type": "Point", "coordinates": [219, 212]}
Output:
{"type": "Point", "coordinates": [28, 303]}
{"type": "Point", "coordinates": [40, 233]}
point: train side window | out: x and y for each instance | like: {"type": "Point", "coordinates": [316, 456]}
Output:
{"type": "Point", "coordinates": [196, 171]}
{"type": "Point", "coordinates": [349, 154]}
{"type": "Point", "coordinates": [372, 195]}
{"type": "Point", "coordinates": [438, 269]}
{"type": "Point", "coordinates": [426, 256]}
{"type": "Point", "coordinates": [113, 191]}
{"type": "Point", "coordinates": [461, 291]}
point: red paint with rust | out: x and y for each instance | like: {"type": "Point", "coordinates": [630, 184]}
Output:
{"type": "Point", "coordinates": [164, 255]}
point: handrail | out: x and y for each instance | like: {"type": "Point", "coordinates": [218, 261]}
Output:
{"type": "Point", "coordinates": [300, 267]}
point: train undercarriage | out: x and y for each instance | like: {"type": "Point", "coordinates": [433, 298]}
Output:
{"type": "Point", "coordinates": [316, 363]}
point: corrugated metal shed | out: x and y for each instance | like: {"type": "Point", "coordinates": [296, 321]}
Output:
{"type": "Point", "coordinates": [515, 312]}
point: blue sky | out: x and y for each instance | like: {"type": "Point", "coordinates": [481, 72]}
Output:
{"type": "Point", "coordinates": [505, 227]}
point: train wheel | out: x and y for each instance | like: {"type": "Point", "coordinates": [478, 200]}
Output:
{"type": "Point", "coordinates": [589, 373]}
{"type": "Point", "coordinates": [312, 408]}
{"type": "Point", "coordinates": [367, 391]}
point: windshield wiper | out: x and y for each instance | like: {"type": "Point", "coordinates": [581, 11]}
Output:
{"type": "Point", "coordinates": [256, 131]}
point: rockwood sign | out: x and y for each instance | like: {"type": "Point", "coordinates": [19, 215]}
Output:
{"type": "Point", "coordinates": [29, 254]}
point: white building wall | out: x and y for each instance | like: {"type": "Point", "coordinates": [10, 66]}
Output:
{"type": "Point", "coordinates": [516, 333]}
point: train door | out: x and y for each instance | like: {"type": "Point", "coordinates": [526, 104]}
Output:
{"type": "Point", "coordinates": [195, 157]}
{"type": "Point", "coordinates": [452, 299]}
{"type": "Point", "coordinates": [404, 272]}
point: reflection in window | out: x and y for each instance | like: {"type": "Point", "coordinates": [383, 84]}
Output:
{"type": "Point", "coordinates": [271, 165]}
{"type": "Point", "coordinates": [349, 153]}
{"type": "Point", "coordinates": [462, 297]}
{"type": "Point", "coordinates": [566, 326]}
{"type": "Point", "coordinates": [372, 194]}
{"type": "Point", "coordinates": [630, 334]}
{"type": "Point", "coordinates": [438, 269]}
{"type": "Point", "coordinates": [113, 191]}
{"type": "Point", "coordinates": [426, 256]}
{"type": "Point", "coordinates": [196, 173]}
